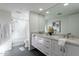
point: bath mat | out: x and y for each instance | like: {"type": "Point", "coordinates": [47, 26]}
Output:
{"type": "Point", "coordinates": [21, 48]}
{"type": "Point", "coordinates": [1, 54]}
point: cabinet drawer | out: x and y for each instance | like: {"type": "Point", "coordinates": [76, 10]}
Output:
{"type": "Point", "coordinates": [35, 45]}
{"type": "Point", "coordinates": [45, 50]}
{"type": "Point", "coordinates": [47, 41]}
{"type": "Point", "coordinates": [41, 49]}
{"type": "Point", "coordinates": [43, 41]}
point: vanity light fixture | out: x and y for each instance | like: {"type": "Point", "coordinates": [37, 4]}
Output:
{"type": "Point", "coordinates": [40, 9]}
{"type": "Point", "coordinates": [66, 4]}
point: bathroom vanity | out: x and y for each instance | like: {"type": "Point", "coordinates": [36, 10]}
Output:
{"type": "Point", "coordinates": [49, 45]}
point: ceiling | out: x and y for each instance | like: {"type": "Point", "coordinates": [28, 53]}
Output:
{"type": "Point", "coordinates": [61, 10]}
{"type": "Point", "coordinates": [25, 6]}
{"type": "Point", "coordinates": [55, 9]}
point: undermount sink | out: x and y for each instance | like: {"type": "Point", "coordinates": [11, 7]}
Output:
{"type": "Point", "coordinates": [59, 36]}
{"type": "Point", "coordinates": [73, 38]}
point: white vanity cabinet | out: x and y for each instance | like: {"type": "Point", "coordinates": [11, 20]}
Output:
{"type": "Point", "coordinates": [42, 44]}
{"type": "Point", "coordinates": [47, 46]}
{"type": "Point", "coordinates": [50, 47]}
{"type": "Point", "coordinates": [71, 50]}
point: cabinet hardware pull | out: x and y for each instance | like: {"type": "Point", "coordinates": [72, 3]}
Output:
{"type": "Point", "coordinates": [47, 41]}
{"type": "Point", "coordinates": [62, 49]}
{"type": "Point", "coordinates": [47, 47]}
{"type": "Point", "coordinates": [34, 35]}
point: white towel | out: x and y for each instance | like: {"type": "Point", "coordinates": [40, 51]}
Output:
{"type": "Point", "coordinates": [61, 42]}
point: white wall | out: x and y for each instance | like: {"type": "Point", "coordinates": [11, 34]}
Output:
{"type": "Point", "coordinates": [37, 22]}
{"type": "Point", "coordinates": [69, 24]}
{"type": "Point", "coordinates": [5, 16]}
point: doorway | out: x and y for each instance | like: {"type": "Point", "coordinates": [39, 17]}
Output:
{"type": "Point", "coordinates": [20, 32]}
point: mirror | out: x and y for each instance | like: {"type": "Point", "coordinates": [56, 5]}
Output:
{"type": "Point", "coordinates": [68, 15]}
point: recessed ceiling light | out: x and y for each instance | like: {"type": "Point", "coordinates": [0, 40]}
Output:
{"type": "Point", "coordinates": [47, 12]}
{"type": "Point", "coordinates": [66, 4]}
{"type": "Point", "coordinates": [40, 9]}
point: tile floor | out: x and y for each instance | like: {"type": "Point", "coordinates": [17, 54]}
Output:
{"type": "Point", "coordinates": [17, 52]}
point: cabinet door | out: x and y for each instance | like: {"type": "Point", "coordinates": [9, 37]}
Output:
{"type": "Point", "coordinates": [45, 45]}
{"type": "Point", "coordinates": [72, 50]}
{"type": "Point", "coordinates": [56, 48]}
{"type": "Point", "coordinates": [34, 41]}
{"type": "Point", "coordinates": [52, 48]}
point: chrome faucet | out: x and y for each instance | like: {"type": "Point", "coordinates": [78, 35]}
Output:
{"type": "Point", "coordinates": [68, 34]}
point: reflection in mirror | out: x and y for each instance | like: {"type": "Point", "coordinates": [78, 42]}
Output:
{"type": "Point", "coordinates": [67, 15]}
